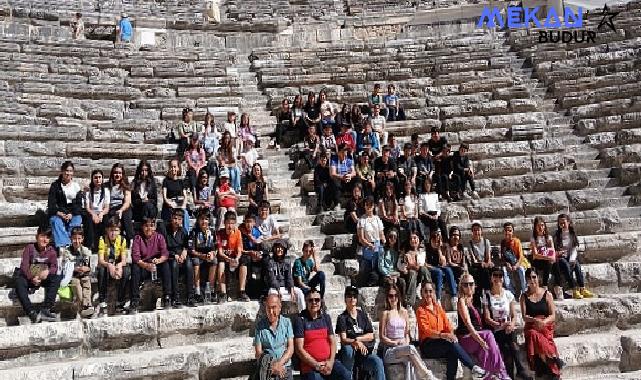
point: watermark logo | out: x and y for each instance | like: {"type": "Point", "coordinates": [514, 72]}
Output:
{"type": "Point", "coordinates": [568, 27]}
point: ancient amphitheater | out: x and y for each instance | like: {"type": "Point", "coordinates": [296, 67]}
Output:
{"type": "Point", "coordinates": [552, 128]}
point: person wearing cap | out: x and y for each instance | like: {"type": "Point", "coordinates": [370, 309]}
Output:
{"type": "Point", "coordinates": [315, 342]}
{"type": "Point", "coordinates": [463, 172]}
{"type": "Point", "coordinates": [356, 335]}
{"type": "Point", "coordinates": [342, 170]}
{"type": "Point", "coordinates": [274, 342]}
{"type": "Point", "coordinates": [125, 30]}
{"type": "Point", "coordinates": [225, 197]}
{"type": "Point", "coordinates": [196, 159]}
{"type": "Point", "coordinates": [368, 139]}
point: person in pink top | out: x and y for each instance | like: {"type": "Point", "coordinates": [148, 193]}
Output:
{"type": "Point", "coordinates": [196, 159]}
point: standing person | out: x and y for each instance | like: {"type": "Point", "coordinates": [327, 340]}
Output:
{"type": "Point", "coordinates": [256, 271]}
{"type": "Point", "coordinates": [174, 194]}
{"type": "Point", "coordinates": [125, 30]}
{"type": "Point", "coordinates": [315, 342]}
{"type": "Point", "coordinates": [567, 244]}
{"type": "Point", "coordinates": [356, 334]}
{"type": "Point", "coordinates": [476, 341]}
{"type": "Point", "coordinates": [392, 103]}
{"type": "Point", "coordinates": [539, 312]}
{"type": "Point", "coordinates": [177, 246]}
{"type": "Point", "coordinates": [149, 254]}
{"type": "Point", "coordinates": [274, 342]}
{"type": "Point", "coordinates": [78, 27]}
{"type": "Point", "coordinates": [409, 211]}
{"type": "Point", "coordinates": [436, 337]}
{"type": "Point", "coordinates": [513, 259]}
{"type": "Point", "coordinates": [64, 205]}
{"type": "Point", "coordinates": [38, 268]}
{"type": "Point", "coordinates": [78, 255]}
{"type": "Point", "coordinates": [144, 193]}
{"type": "Point", "coordinates": [227, 158]}
{"type": "Point", "coordinates": [97, 206]}
{"type": "Point", "coordinates": [544, 255]}
{"type": "Point", "coordinates": [285, 120]}
{"type": "Point", "coordinates": [371, 239]}
{"type": "Point", "coordinates": [394, 333]}
{"type": "Point", "coordinates": [120, 199]}
{"type": "Point", "coordinates": [211, 135]}
{"type": "Point", "coordinates": [312, 111]}
{"type": "Point", "coordinates": [112, 265]}
{"type": "Point", "coordinates": [378, 124]}
{"type": "Point", "coordinates": [499, 312]}
{"type": "Point", "coordinates": [303, 268]}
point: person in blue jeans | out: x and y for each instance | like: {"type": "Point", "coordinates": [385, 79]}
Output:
{"type": "Point", "coordinates": [436, 263]}
{"type": "Point", "coordinates": [64, 205]}
{"type": "Point", "coordinates": [303, 268]}
{"type": "Point", "coordinates": [356, 334]}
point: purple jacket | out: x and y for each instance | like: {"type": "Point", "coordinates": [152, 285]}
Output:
{"type": "Point", "coordinates": [30, 256]}
{"type": "Point", "coordinates": [147, 249]}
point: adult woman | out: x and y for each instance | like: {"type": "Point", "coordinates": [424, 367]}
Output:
{"type": "Point", "coordinates": [245, 131]}
{"type": "Point", "coordinates": [211, 135]}
{"type": "Point", "coordinates": [499, 313]}
{"type": "Point", "coordinates": [477, 342]}
{"type": "Point", "coordinates": [544, 254]}
{"type": "Point", "coordinates": [538, 311]}
{"type": "Point", "coordinates": [324, 185]}
{"type": "Point", "coordinates": [567, 245]}
{"type": "Point", "coordinates": [185, 129]}
{"type": "Point", "coordinates": [394, 334]}
{"type": "Point", "coordinates": [371, 238]}
{"type": "Point", "coordinates": [343, 117]}
{"type": "Point", "coordinates": [409, 210]}
{"type": "Point", "coordinates": [298, 114]}
{"type": "Point", "coordinates": [257, 189]}
{"type": "Point", "coordinates": [227, 155]}
{"type": "Point", "coordinates": [285, 120]}
{"type": "Point", "coordinates": [203, 193]}
{"type": "Point", "coordinates": [355, 208]}
{"type": "Point", "coordinates": [97, 206]}
{"type": "Point", "coordinates": [356, 118]}
{"type": "Point", "coordinates": [326, 108]}
{"type": "Point", "coordinates": [120, 200]}
{"type": "Point", "coordinates": [429, 211]}
{"type": "Point", "coordinates": [144, 195]}
{"type": "Point", "coordinates": [388, 259]}
{"type": "Point", "coordinates": [365, 174]}
{"type": "Point", "coordinates": [437, 265]}
{"type": "Point", "coordinates": [454, 254]}
{"type": "Point", "coordinates": [312, 112]}
{"type": "Point", "coordinates": [480, 257]}
{"type": "Point", "coordinates": [173, 194]}
{"type": "Point", "coordinates": [412, 267]}
{"type": "Point", "coordinates": [436, 337]}
{"type": "Point", "coordinates": [196, 160]}
{"type": "Point", "coordinates": [388, 207]}
{"type": "Point", "coordinates": [64, 205]}
{"type": "Point", "coordinates": [311, 147]}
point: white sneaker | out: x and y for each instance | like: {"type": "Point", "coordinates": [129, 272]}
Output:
{"type": "Point", "coordinates": [455, 304]}
{"type": "Point", "coordinates": [478, 372]}
{"type": "Point", "coordinates": [475, 195]}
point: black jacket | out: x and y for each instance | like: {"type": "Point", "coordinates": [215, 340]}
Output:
{"type": "Point", "coordinates": [57, 201]}
{"type": "Point", "coordinates": [460, 163]}
{"type": "Point", "coordinates": [152, 194]}
{"type": "Point", "coordinates": [279, 274]}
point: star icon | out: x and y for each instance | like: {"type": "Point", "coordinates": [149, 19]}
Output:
{"type": "Point", "coordinates": [607, 18]}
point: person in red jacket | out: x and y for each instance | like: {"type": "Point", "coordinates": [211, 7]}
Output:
{"type": "Point", "coordinates": [149, 259]}
{"type": "Point", "coordinates": [38, 267]}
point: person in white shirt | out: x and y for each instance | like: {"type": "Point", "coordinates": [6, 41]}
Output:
{"type": "Point", "coordinates": [429, 211]}
{"type": "Point", "coordinates": [378, 123]}
{"type": "Point", "coordinates": [97, 202]}
{"type": "Point", "coordinates": [64, 205]}
{"type": "Point", "coordinates": [269, 228]}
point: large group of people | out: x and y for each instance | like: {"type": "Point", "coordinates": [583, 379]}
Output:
{"type": "Point", "coordinates": [402, 240]}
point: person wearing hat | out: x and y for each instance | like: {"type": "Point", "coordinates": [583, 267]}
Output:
{"type": "Point", "coordinates": [225, 197]}
{"type": "Point", "coordinates": [356, 334]}
{"type": "Point", "coordinates": [125, 30]}
{"type": "Point", "coordinates": [462, 172]}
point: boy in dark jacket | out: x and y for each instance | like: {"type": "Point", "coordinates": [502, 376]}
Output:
{"type": "Point", "coordinates": [279, 277]}
{"type": "Point", "coordinates": [38, 267]}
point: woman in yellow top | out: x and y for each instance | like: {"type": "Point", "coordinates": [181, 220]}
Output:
{"type": "Point", "coordinates": [112, 265]}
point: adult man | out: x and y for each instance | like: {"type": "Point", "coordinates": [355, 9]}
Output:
{"type": "Point", "coordinates": [38, 267]}
{"type": "Point", "coordinates": [342, 170]}
{"type": "Point", "coordinates": [125, 30]}
{"type": "Point", "coordinates": [315, 342]}
{"type": "Point", "coordinates": [462, 172]}
{"type": "Point", "coordinates": [357, 339]}
{"type": "Point", "coordinates": [274, 342]}
{"type": "Point", "coordinates": [149, 259]}
{"type": "Point", "coordinates": [177, 244]}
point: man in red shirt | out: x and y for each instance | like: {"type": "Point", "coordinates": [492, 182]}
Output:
{"type": "Point", "coordinates": [230, 257]}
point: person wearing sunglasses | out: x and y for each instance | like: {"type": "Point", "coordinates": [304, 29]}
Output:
{"type": "Point", "coordinates": [475, 340]}
{"type": "Point", "coordinates": [394, 334]}
{"type": "Point", "coordinates": [538, 311]}
{"type": "Point", "coordinates": [356, 334]}
{"type": "Point", "coordinates": [315, 342]}
{"type": "Point", "coordinates": [436, 338]}
{"type": "Point", "coordinates": [499, 313]}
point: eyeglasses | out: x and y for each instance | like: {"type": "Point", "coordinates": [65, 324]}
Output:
{"type": "Point", "coordinates": [469, 284]}
{"type": "Point", "coordinates": [314, 300]}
